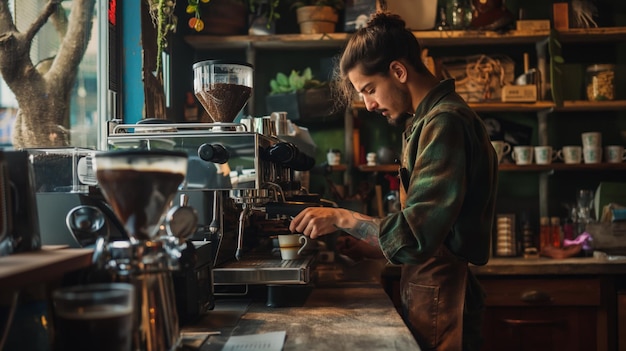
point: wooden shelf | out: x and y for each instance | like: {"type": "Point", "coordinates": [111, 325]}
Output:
{"type": "Point", "coordinates": [378, 168]}
{"type": "Point", "coordinates": [338, 168]}
{"type": "Point", "coordinates": [427, 38]}
{"type": "Point", "coordinates": [26, 268]}
{"type": "Point", "coordinates": [508, 167]}
{"type": "Point", "coordinates": [537, 106]}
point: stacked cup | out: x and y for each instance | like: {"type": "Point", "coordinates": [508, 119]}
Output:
{"type": "Point", "coordinates": [592, 147]}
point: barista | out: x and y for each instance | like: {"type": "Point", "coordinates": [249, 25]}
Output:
{"type": "Point", "coordinates": [448, 177]}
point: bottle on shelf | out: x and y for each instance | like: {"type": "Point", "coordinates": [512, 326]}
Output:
{"type": "Point", "coordinates": [555, 232]}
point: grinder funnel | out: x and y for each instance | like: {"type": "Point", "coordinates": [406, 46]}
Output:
{"type": "Point", "coordinates": [223, 88]}
{"type": "Point", "coordinates": [139, 185]}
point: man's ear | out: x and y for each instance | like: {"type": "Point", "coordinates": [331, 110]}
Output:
{"type": "Point", "coordinates": [398, 70]}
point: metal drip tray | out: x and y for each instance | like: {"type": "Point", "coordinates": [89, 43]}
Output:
{"type": "Point", "coordinates": [264, 270]}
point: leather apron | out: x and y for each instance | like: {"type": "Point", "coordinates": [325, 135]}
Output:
{"type": "Point", "coordinates": [433, 297]}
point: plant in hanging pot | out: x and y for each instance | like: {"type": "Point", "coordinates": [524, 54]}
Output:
{"type": "Point", "coordinates": [318, 16]}
{"type": "Point", "coordinates": [300, 95]}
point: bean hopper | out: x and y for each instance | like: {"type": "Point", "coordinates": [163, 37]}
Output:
{"type": "Point", "coordinates": [240, 177]}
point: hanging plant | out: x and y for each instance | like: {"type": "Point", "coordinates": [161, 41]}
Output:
{"type": "Point", "coordinates": [254, 6]}
{"type": "Point", "coordinates": [195, 22]}
{"type": "Point", "coordinates": [163, 19]}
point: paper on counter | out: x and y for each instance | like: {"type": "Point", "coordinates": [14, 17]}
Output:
{"type": "Point", "coordinates": [256, 342]}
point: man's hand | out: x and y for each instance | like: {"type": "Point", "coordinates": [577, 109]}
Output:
{"type": "Point", "coordinates": [318, 221]}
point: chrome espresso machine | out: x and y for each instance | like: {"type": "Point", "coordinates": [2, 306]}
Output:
{"type": "Point", "coordinates": [241, 178]}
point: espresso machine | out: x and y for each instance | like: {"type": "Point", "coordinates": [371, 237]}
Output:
{"type": "Point", "coordinates": [240, 178]}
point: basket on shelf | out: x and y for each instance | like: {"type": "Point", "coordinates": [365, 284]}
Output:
{"type": "Point", "coordinates": [479, 78]}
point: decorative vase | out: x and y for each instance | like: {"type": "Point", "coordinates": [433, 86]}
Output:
{"type": "Point", "coordinates": [317, 19]}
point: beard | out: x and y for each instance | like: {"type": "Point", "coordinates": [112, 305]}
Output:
{"type": "Point", "coordinates": [404, 99]}
{"type": "Point", "coordinates": [400, 121]}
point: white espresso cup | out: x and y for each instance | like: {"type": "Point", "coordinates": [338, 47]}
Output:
{"type": "Point", "coordinates": [333, 157]}
{"type": "Point", "coordinates": [570, 154]}
{"type": "Point", "coordinates": [591, 139]}
{"type": "Point", "coordinates": [614, 153]}
{"type": "Point", "coordinates": [502, 148]}
{"type": "Point", "coordinates": [291, 245]}
{"type": "Point", "coordinates": [544, 155]}
{"type": "Point", "coordinates": [592, 154]}
{"type": "Point", "coordinates": [522, 155]}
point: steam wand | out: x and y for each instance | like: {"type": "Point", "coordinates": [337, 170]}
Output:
{"type": "Point", "coordinates": [246, 211]}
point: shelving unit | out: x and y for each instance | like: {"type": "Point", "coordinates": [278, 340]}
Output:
{"type": "Point", "coordinates": [543, 109]}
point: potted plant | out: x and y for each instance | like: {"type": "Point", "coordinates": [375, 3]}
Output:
{"type": "Point", "coordinates": [230, 17]}
{"type": "Point", "coordinates": [300, 95]}
{"type": "Point", "coordinates": [318, 16]}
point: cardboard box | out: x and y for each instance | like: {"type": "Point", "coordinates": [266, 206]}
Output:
{"type": "Point", "coordinates": [560, 15]}
{"type": "Point", "coordinates": [530, 25]}
{"type": "Point", "coordinates": [519, 93]}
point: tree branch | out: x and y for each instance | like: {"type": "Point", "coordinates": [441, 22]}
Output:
{"type": "Point", "coordinates": [75, 42]}
{"type": "Point", "coordinates": [6, 20]}
{"type": "Point", "coordinates": [59, 21]}
{"type": "Point", "coordinates": [48, 10]}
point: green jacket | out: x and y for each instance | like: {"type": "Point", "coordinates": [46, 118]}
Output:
{"type": "Point", "coordinates": [451, 189]}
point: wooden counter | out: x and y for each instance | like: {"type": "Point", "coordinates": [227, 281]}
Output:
{"type": "Point", "coordinates": [50, 263]}
{"type": "Point", "coordinates": [337, 316]}
{"type": "Point", "coordinates": [550, 266]}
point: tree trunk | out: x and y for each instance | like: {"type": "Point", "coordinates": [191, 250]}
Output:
{"type": "Point", "coordinates": [43, 91]}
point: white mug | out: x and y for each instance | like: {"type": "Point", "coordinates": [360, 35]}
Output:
{"type": "Point", "coordinates": [502, 148]}
{"type": "Point", "coordinates": [570, 154]}
{"type": "Point", "coordinates": [592, 154]}
{"type": "Point", "coordinates": [291, 245]}
{"type": "Point", "coordinates": [333, 157]}
{"type": "Point", "coordinates": [522, 155]}
{"type": "Point", "coordinates": [614, 153]}
{"type": "Point", "coordinates": [371, 158]}
{"type": "Point", "coordinates": [591, 139]}
{"type": "Point", "coordinates": [544, 155]}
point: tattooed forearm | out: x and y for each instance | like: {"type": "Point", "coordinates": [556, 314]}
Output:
{"type": "Point", "coordinates": [366, 229]}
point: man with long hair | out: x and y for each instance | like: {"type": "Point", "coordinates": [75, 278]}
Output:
{"type": "Point", "coordinates": [448, 176]}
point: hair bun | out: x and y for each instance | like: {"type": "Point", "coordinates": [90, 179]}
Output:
{"type": "Point", "coordinates": [387, 20]}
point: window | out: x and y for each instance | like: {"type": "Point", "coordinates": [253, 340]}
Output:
{"type": "Point", "coordinates": [81, 125]}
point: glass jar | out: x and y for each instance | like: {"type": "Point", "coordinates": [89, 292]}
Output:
{"type": "Point", "coordinates": [599, 82]}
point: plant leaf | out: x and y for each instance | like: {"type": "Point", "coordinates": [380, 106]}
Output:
{"type": "Point", "coordinates": [282, 79]}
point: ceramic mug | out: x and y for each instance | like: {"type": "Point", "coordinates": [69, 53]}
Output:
{"type": "Point", "coordinates": [333, 157]}
{"type": "Point", "coordinates": [614, 153]}
{"type": "Point", "coordinates": [570, 154]}
{"type": "Point", "coordinates": [522, 155]}
{"type": "Point", "coordinates": [502, 148]}
{"type": "Point", "coordinates": [591, 139]}
{"type": "Point", "coordinates": [592, 154]}
{"type": "Point", "coordinates": [291, 245]}
{"type": "Point", "coordinates": [371, 158]}
{"type": "Point", "coordinates": [544, 155]}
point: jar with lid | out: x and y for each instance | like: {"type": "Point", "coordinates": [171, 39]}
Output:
{"type": "Point", "coordinates": [600, 82]}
